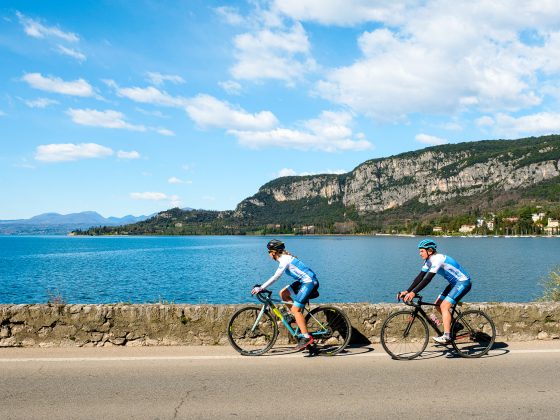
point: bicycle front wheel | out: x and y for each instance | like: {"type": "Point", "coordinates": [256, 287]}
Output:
{"type": "Point", "coordinates": [250, 335]}
{"type": "Point", "coordinates": [404, 335]}
{"type": "Point", "coordinates": [474, 333]}
{"type": "Point", "coordinates": [330, 328]}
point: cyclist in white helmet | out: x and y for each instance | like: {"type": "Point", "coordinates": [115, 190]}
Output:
{"type": "Point", "coordinates": [304, 288]}
{"type": "Point", "coordinates": [459, 283]}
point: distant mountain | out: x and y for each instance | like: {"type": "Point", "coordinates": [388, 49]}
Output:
{"type": "Point", "coordinates": [444, 186]}
{"type": "Point", "coordinates": [58, 224]}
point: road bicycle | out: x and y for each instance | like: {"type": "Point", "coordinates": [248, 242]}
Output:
{"type": "Point", "coordinates": [405, 335]}
{"type": "Point", "coordinates": [253, 330]}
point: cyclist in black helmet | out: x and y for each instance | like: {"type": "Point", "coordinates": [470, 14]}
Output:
{"type": "Point", "coordinates": [459, 283]}
{"type": "Point", "coordinates": [299, 291]}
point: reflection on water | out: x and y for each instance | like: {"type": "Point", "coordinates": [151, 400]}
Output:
{"type": "Point", "coordinates": [223, 269]}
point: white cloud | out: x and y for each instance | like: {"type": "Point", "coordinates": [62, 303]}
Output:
{"type": "Point", "coordinates": [344, 12]}
{"type": "Point", "coordinates": [165, 132]}
{"type": "Point", "coordinates": [273, 54]}
{"type": "Point", "coordinates": [149, 95]}
{"type": "Point", "coordinates": [36, 29]}
{"type": "Point", "coordinates": [128, 155]}
{"type": "Point", "coordinates": [440, 57]}
{"type": "Point", "coordinates": [291, 172]}
{"type": "Point", "coordinates": [231, 87]}
{"type": "Point", "coordinates": [286, 172]}
{"type": "Point", "coordinates": [230, 15]}
{"type": "Point", "coordinates": [330, 132]}
{"type": "Point", "coordinates": [152, 196]}
{"type": "Point", "coordinates": [159, 79]}
{"type": "Point", "coordinates": [107, 119]}
{"type": "Point", "coordinates": [175, 180]}
{"type": "Point", "coordinates": [40, 102]}
{"type": "Point", "coordinates": [54, 84]}
{"type": "Point", "coordinates": [174, 200]}
{"type": "Point", "coordinates": [207, 111]}
{"type": "Point", "coordinates": [71, 53]}
{"type": "Point", "coordinates": [528, 125]}
{"type": "Point", "coordinates": [431, 140]}
{"type": "Point", "coordinates": [64, 152]}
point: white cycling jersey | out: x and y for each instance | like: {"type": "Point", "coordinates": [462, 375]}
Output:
{"type": "Point", "coordinates": [447, 267]}
{"type": "Point", "coordinates": [294, 268]}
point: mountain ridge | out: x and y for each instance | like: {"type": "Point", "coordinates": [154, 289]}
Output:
{"type": "Point", "coordinates": [464, 179]}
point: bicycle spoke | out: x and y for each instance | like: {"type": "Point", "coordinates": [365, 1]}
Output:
{"type": "Point", "coordinates": [330, 328]}
{"type": "Point", "coordinates": [473, 334]}
{"type": "Point", "coordinates": [250, 335]}
{"type": "Point", "coordinates": [404, 336]}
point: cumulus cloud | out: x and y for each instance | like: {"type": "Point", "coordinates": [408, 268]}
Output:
{"type": "Point", "coordinates": [36, 29]}
{"type": "Point", "coordinates": [439, 57]}
{"type": "Point", "coordinates": [54, 84]}
{"type": "Point", "coordinates": [330, 132]}
{"type": "Point", "coordinates": [128, 155]}
{"type": "Point", "coordinates": [281, 54]}
{"type": "Point", "coordinates": [159, 79]}
{"type": "Point", "coordinates": [207, 111]}
{"type": "Point", "coordinates": [107, 119]}
{"type": "Point", "coordinates": [431, 140]}
{"type": "Point", "coordinates": [65, 152]}
{"type": "Point", "coordinates": [512, 127]}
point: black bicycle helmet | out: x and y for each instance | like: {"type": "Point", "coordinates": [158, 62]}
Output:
{"type": "Point", "coordinates": [276, 245]}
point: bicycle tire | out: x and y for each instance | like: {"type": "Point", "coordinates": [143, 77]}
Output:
{"type": "Point", "coordinates": [249, 341]}
{"type": "Point", "coordinates": [401, 346]}
{"type": "Point", "coordinates": [474, 333]}
{"type": "Point", "coordinates": [333, 331]}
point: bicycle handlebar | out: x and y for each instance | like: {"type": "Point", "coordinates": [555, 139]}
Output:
{"type": "Point", "coordinates": [263, 295]}
{"type": "Point", "coordinates": [412, 303]}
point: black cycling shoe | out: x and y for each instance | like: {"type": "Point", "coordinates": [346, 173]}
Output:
{"type": "Point", "coordinates": [303, 342]}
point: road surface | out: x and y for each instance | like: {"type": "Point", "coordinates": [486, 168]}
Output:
{"type": "Point", "coordinates": [515, 381]}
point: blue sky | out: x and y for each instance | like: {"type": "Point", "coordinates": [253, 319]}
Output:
{"type": "Point", "coordinates": [132, 107]}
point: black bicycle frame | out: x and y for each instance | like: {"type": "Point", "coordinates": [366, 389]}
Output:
{"type": "Point", "coordinates": [419, 311]}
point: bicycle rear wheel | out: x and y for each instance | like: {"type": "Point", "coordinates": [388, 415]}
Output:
{"type": "Point", "coordinates": [249, 337]}
{"type": "Point", "coordinates": [330, 328]}
{"type": "Point", "coordinates": [473, 333]}
{"type": "Point", "coordinates": [404, 335]}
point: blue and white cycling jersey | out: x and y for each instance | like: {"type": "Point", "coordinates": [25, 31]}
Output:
{"type": "Point", "coordinates": [447, 267]}
{"type": "Point", "coordinates": [294, 268]}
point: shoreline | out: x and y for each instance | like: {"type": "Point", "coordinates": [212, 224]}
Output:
{"type": "Point", "coordinates": [384, 235]}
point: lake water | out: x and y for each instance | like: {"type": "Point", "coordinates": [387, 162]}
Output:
{"type": "Point", "coordinates": [223, 269]}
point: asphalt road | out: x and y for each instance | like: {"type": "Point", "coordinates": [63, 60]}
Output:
{"type": "Point", "coordinates": [516, 381]}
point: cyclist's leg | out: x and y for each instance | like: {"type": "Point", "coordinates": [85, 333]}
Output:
{"type": "Point", "coordinates": [456, 293]}
{"type": "Point", "coordinates": [300, 300]}
{"type": "Point", "coordinates": [287, 292]}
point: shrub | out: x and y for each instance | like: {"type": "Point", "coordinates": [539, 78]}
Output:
{"type": "Point", "coordinates": [552, 286]}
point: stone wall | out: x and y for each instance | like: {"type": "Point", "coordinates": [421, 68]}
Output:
{"type": "Point", "coordinates": [168, 325]}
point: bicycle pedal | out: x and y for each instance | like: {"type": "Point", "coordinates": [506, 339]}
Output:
{"type": "Point", "coordinates": [313, 350]}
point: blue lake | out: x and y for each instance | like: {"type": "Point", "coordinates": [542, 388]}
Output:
{"type": "Point", "coordinates": [223, 269]}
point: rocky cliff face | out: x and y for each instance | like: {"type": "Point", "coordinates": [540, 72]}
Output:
{"type": "Point", "coordinates": [431, 176]}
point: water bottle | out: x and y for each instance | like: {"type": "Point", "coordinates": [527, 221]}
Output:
{"type": "Point", "coordinates": [286, 314]}
{"type": "Point", "coordinates": [435, 319]}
